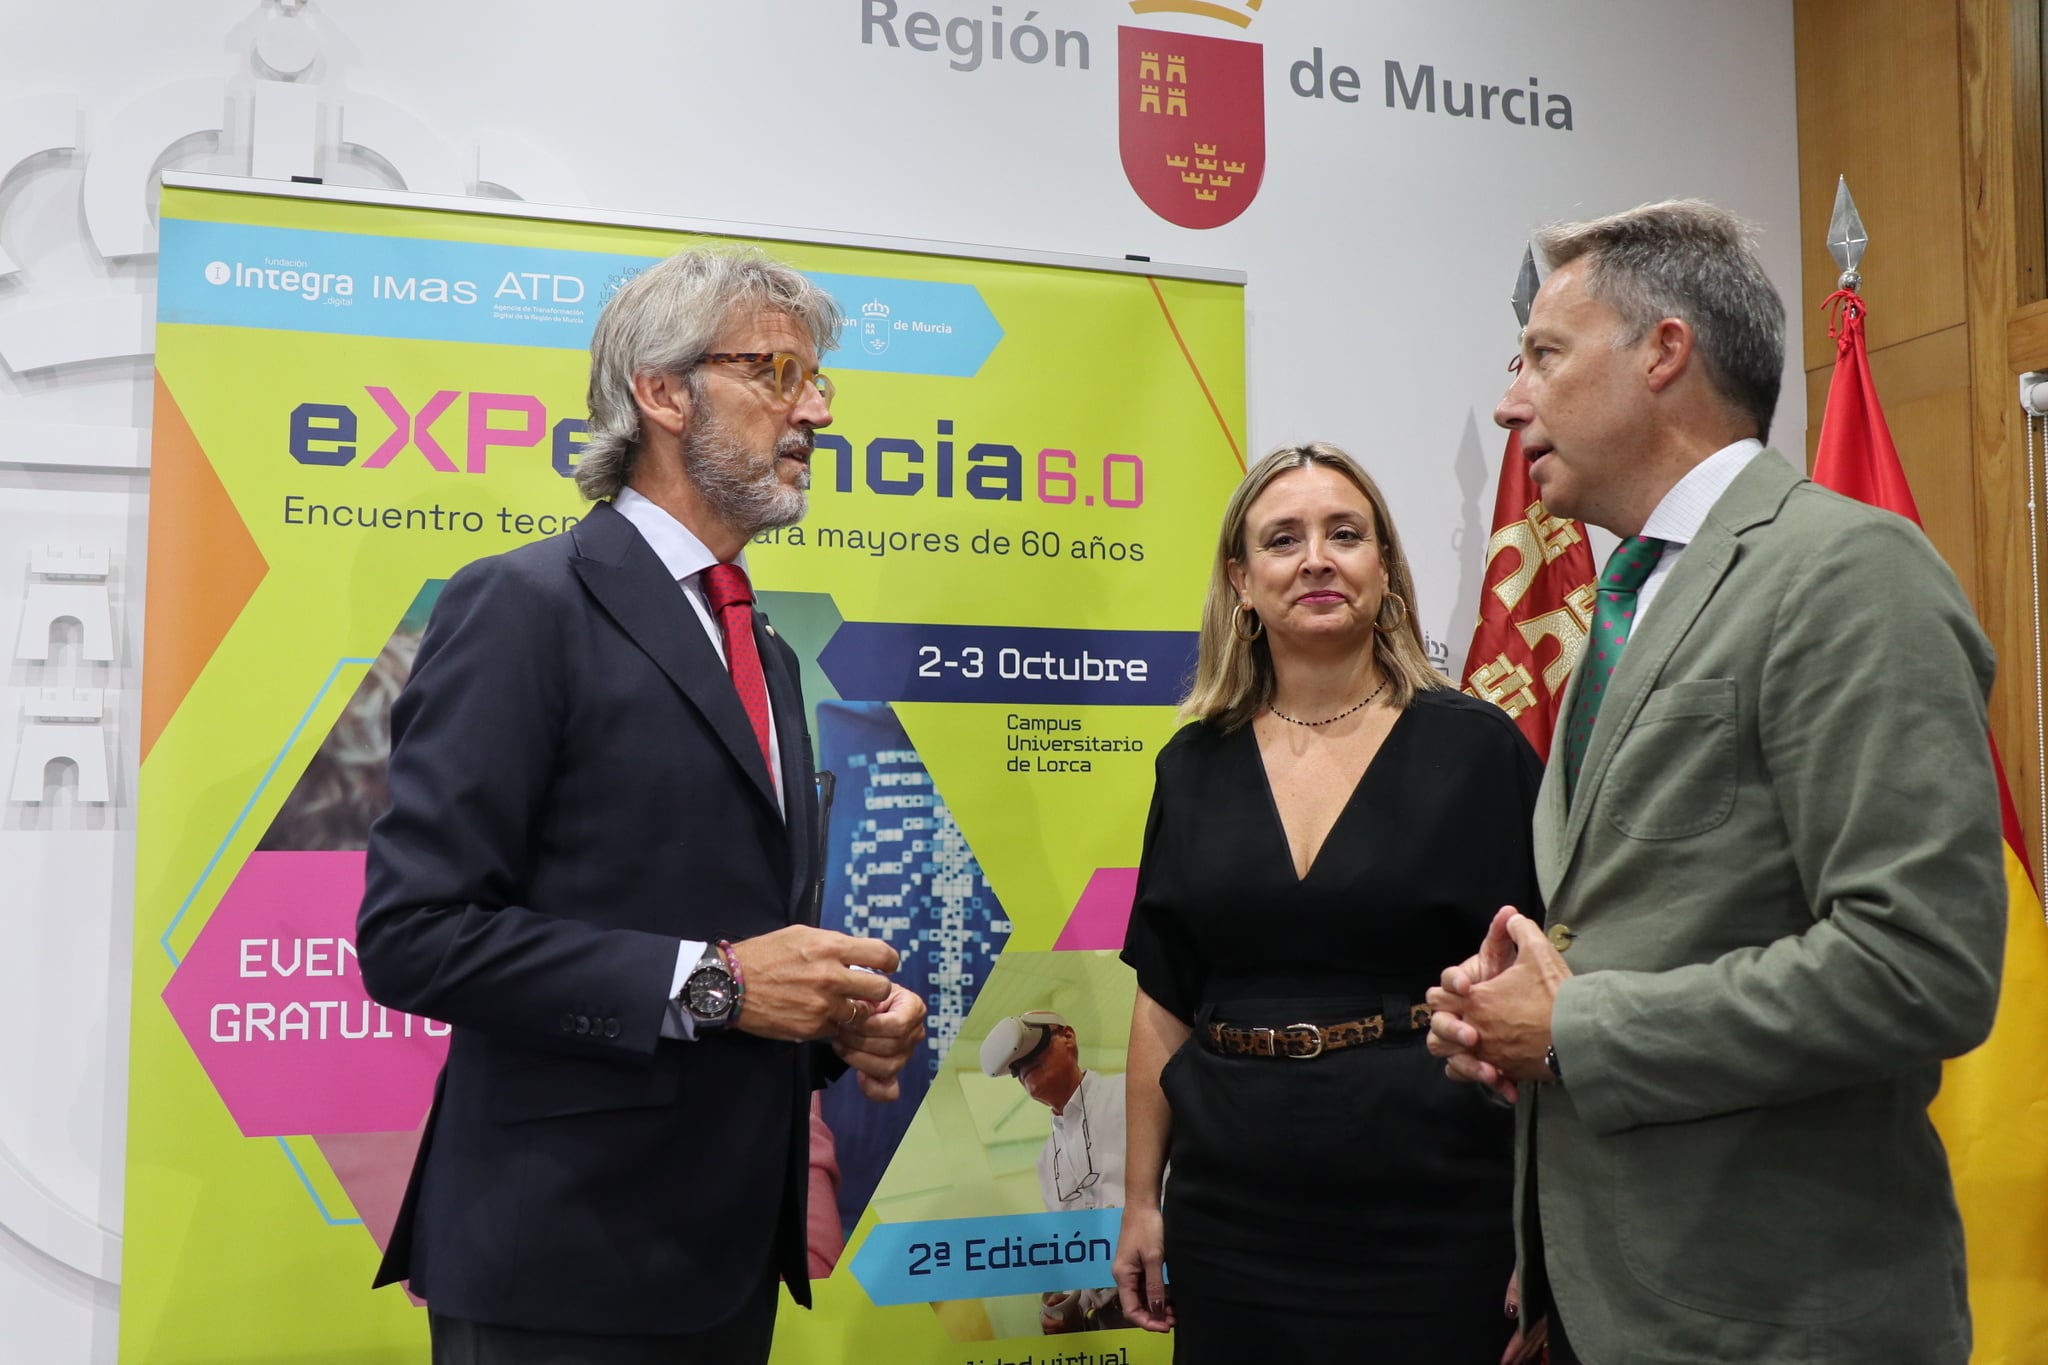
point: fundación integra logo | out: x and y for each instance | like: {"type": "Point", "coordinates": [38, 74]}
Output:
{"type": "Point", "coordinates": [285, 275]}
{"type": "Point", "coordinates": [1191, 118]}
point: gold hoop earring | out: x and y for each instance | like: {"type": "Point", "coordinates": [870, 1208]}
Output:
{"type": "Point", "coordinates": [1379, 621]}
{"type": "Point", "coordinates": [1238, 614]}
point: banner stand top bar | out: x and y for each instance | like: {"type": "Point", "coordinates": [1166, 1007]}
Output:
{"type": "Point", "coordinates": [517, 208]}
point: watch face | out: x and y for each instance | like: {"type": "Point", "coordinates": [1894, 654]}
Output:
{"type": "Point", "coordinates": [708, 993]}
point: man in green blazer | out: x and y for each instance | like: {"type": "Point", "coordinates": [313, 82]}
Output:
{"type": "Point", "coordinates": [1768, 842]}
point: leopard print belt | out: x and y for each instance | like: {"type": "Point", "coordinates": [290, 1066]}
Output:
{"type": "Point", "coordinates": [1304, 1041]}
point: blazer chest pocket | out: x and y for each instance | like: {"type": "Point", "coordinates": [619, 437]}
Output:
{"type": "Point", "coordinates": [541, 1085]}
{"type": "Point", "coordinates": [1674, 774]}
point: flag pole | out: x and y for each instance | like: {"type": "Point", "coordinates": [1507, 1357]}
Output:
{"type": "Point", "coordinates": [1847, 241]}
{"type": "Point", "coordinates": [1526, 285]}
{"type": "Point", "coordinates": [2031, 412]}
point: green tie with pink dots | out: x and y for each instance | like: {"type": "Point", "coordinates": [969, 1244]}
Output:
{"type": "Point", "coordinates": [1628, 568]}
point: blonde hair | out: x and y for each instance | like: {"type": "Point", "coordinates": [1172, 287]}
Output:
{"type": "Point", "coordinates": [1234, 676]}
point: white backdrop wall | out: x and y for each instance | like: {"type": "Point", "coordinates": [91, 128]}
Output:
{"type": "Point", "coordinates": [1381, 248]}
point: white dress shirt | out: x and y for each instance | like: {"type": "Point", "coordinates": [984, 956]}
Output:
{"type": "Point", "coordinates": [686, 558]}
{"type": "Point", "coordinates": [1681, 513]}
{"type": "Point", "coordinates": [1089, 1136]}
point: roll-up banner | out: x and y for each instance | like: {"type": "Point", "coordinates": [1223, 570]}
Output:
{"type": "Point", "coordinates": [994, 598]}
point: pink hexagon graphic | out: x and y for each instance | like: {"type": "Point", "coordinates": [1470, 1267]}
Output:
{"type": "Point", "coordinates": [271, 999]}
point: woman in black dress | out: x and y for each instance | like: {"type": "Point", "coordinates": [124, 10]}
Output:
{"type": "Point", "coordinates": [1336, 826]}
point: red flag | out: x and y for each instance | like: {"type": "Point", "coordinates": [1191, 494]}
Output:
{"type": "Point", "coordinates": [1535, 609]}
{"type": "Point", "coordinates": [1856, 456]}
{"type": "Point", "coordinates": [1990, 1101]}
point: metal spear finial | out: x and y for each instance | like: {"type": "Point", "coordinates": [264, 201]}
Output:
{"type": "Point", "coordinates": [1526, 285]}
{"type": "Point", "coordinates": [1847, 240]}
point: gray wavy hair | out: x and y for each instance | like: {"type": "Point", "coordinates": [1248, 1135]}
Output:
{"type": "Point", "coordinates": [661, 322]}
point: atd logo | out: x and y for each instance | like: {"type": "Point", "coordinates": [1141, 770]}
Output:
{"type": "Point", "coordinates": [1191, 117]}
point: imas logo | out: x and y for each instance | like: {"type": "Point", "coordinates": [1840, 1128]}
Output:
{"type": "Point", "coordinates": [285, 275]}
{"type": "Point", "coordinates": [874, 327]}
{"type": "Point", "coordinates": [1191, 116]}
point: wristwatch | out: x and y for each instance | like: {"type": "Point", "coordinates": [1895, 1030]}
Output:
{"type": "Point", "coordinates": [708, 991]}
{"type": "Point", "coordinates": [1550, 1060]}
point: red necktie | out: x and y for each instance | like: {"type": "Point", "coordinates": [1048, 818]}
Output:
{"type": "Point", "coordinates": [732, 602]}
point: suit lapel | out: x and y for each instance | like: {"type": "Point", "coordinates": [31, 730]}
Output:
{"type": "Point", "coordinates": [1679, 602]}
{"type": "Point", "coordinates": [791, 741]}
{"type": "Point", "coordinates": [627, 579]}
{"type": "Point", "coordinates": [1751, 500]}
{"type": "Point", "coordinates": [1551, 811]}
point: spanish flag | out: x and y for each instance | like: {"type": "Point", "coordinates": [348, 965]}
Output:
{"type": "Point", "coordinates": [1993, 1108]}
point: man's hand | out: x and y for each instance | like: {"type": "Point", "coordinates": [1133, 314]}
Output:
{"type": "Point", "coordinates": [1450, 1035]}
{"type": "Point", "coordinates": [879, 1042]}
{"type": "Point", "coordinates": [1497, 1030]}
{"type": "Point", "coordinates": [1496, 954]}
{"type": "Point", "coordinates": [801, 983]}
{"type": "Point", "coordinates": [1059, 1312]}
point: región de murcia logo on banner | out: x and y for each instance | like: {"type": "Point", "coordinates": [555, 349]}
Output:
{"type": "Point", "coordinates": [1191, 123]}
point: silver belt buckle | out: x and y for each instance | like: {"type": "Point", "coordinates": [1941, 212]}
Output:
{"type": "Point", "coordinates": [1313, 1032]}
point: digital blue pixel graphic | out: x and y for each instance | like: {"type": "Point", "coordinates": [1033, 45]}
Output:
{"type": "Point", "coordinates": [898, 868]}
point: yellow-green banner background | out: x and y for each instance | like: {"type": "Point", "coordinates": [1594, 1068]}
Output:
{"type": "Point", "coordinates": [242, 1248]}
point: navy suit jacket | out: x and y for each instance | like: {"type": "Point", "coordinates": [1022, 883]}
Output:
{"type": "Point", "coordinates": [574, 789]}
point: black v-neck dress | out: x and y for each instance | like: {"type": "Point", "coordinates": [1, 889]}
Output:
{"type": "Point", "coordinates": [1356, 1206]}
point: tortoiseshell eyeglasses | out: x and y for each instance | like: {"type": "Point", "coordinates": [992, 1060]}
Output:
{"type": "Point", "coordinates": [788, 373]}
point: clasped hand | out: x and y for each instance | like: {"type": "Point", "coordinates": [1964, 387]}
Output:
{"type": "Point", "coordinates": [1491, 1020]}
{"type": "Point", "coordinates": [805, 984]}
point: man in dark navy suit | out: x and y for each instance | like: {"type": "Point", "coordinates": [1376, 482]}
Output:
{"type": "Point", "coordinates": [596, 867]}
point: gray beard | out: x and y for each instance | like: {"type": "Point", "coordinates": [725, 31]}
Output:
{"type": "Point", "coordinates": [747, 499]}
